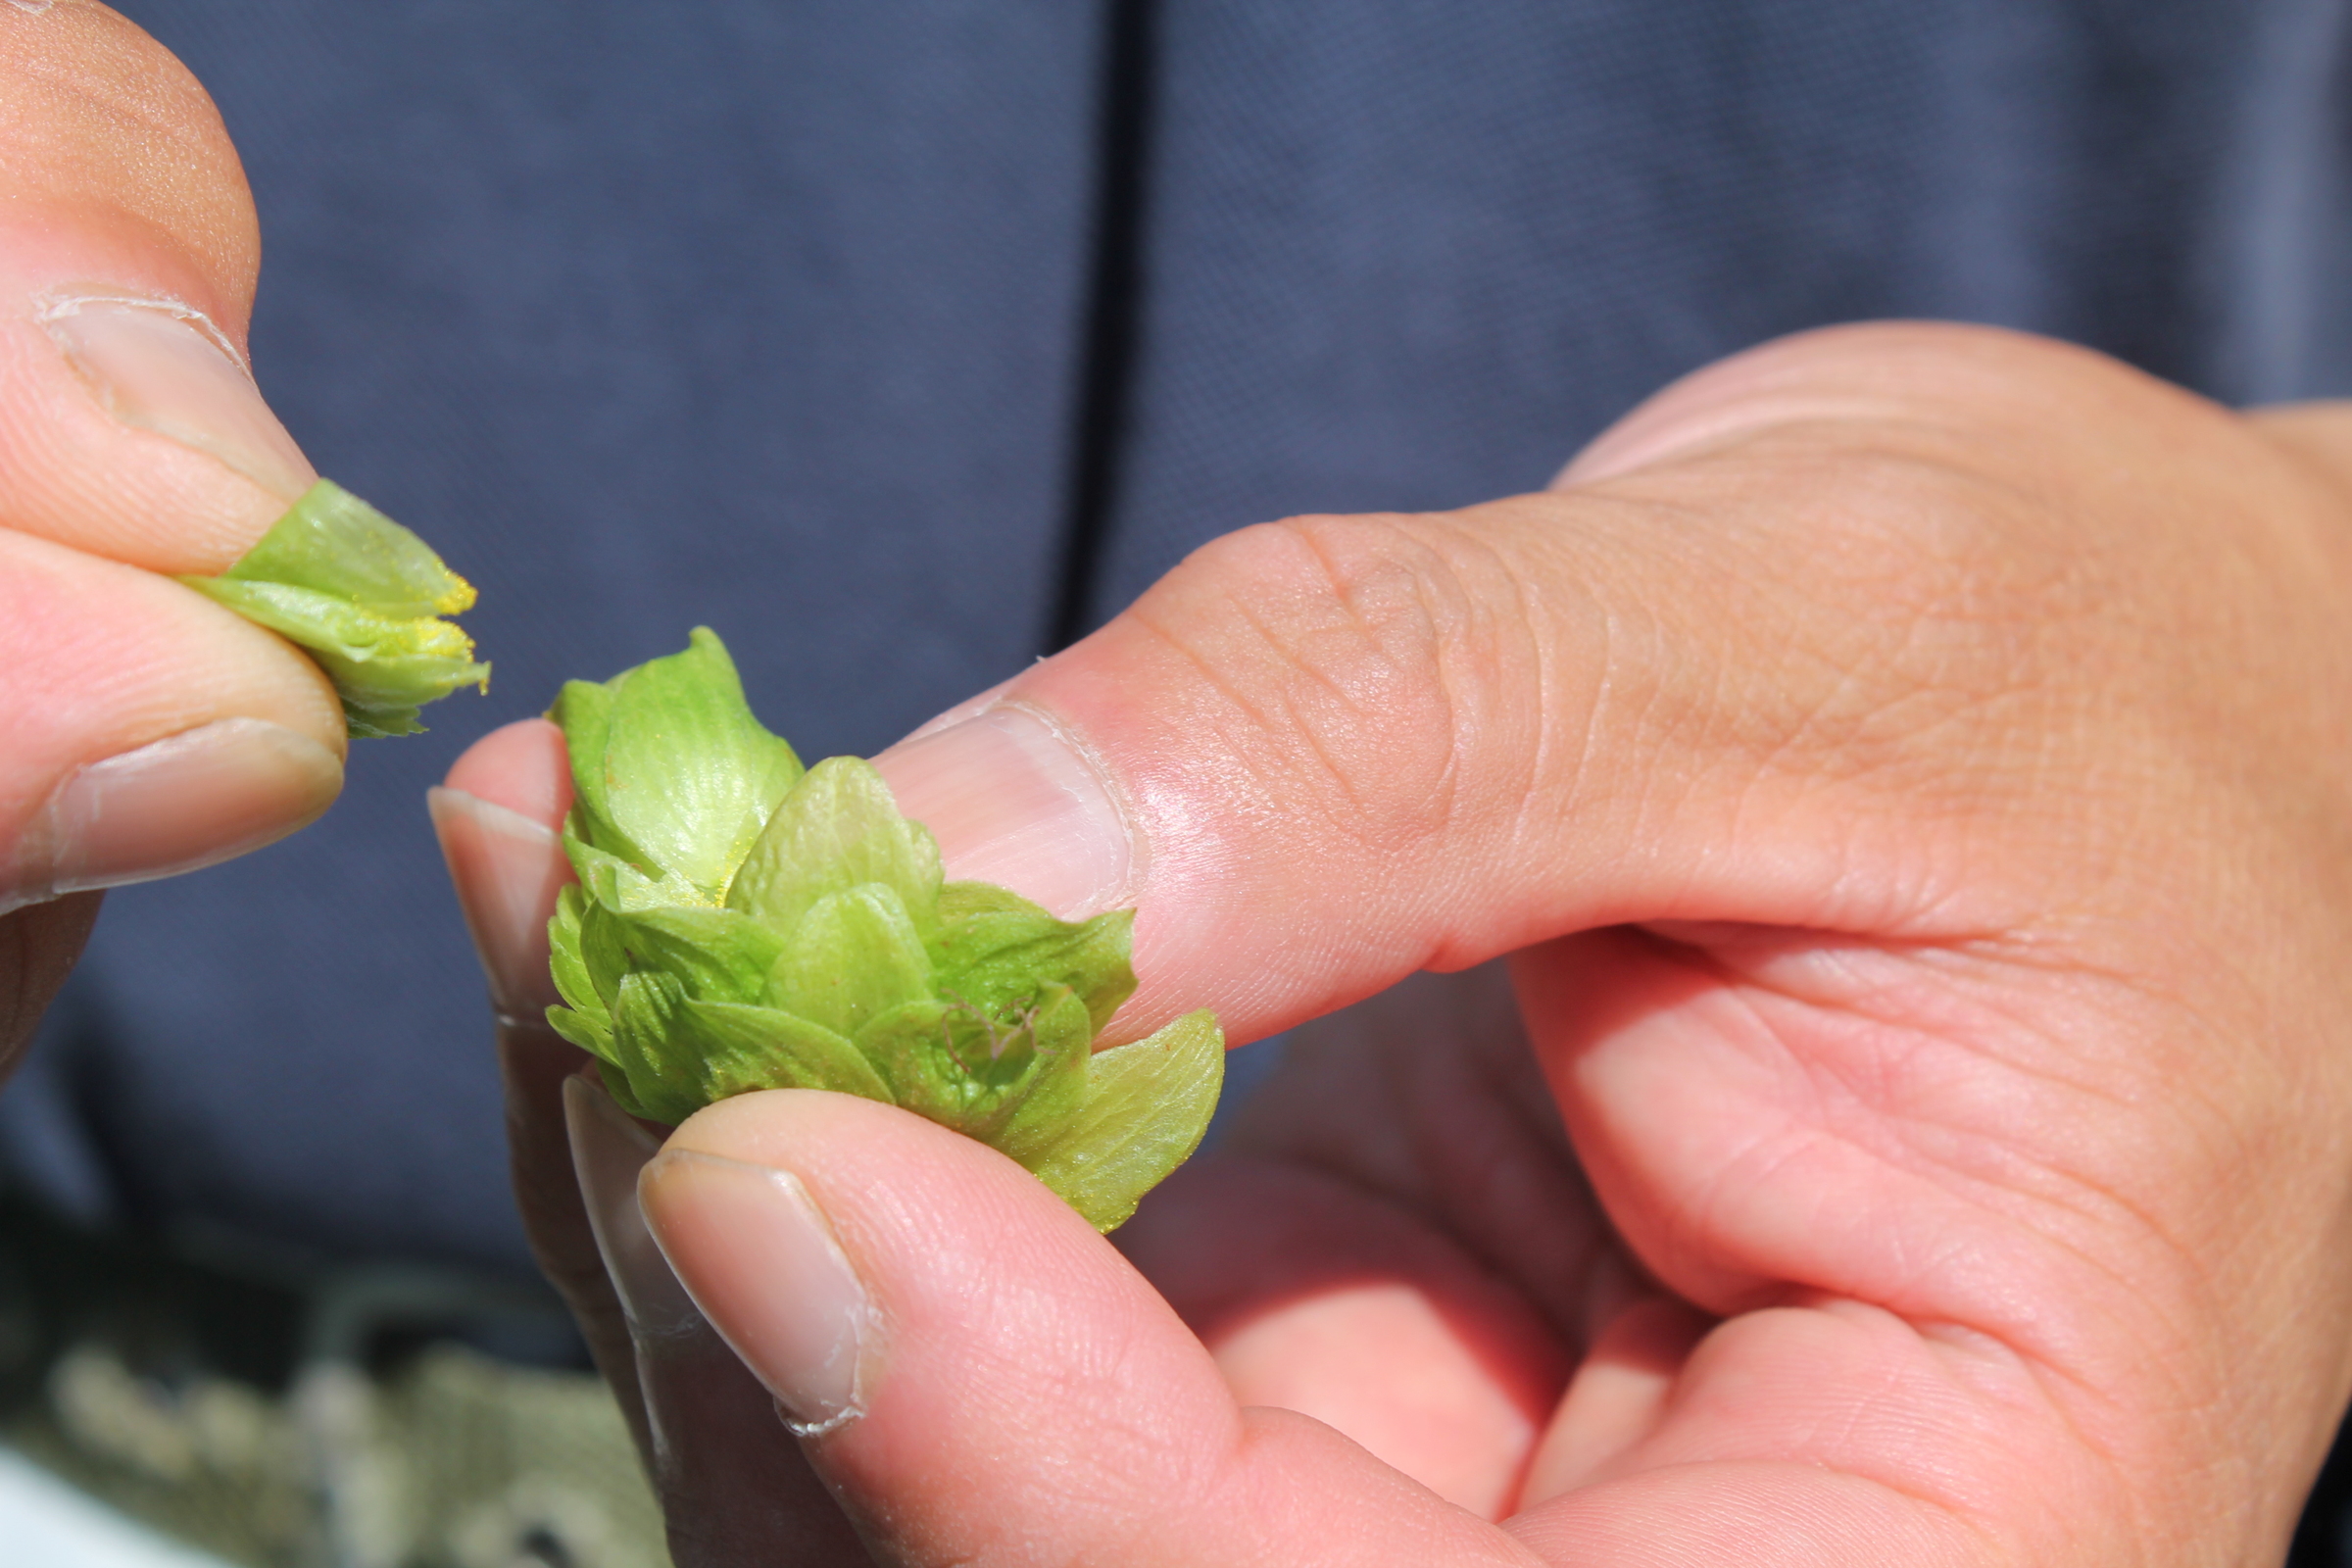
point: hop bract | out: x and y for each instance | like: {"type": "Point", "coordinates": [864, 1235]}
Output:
{"type": "Point", "coordinates": [740, 923]}
{"type": "Point", "coordinates": [364, 597]}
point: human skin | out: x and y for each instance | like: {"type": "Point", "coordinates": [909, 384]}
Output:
{"type": "Point", "coordinates": [148, 730]}
{"type": "Point", "coordinates": [1904, 772]}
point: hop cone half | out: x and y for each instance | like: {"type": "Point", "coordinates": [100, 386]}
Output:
{"type": "Point", "coordinates": [364, 597]}
{"type": "Point", "coordinates": [740, 923]}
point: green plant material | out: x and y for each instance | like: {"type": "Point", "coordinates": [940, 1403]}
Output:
{"type": "Point", "coordinates": [741, 924]}
{"type": "Point", "coordinates": [363, 597]}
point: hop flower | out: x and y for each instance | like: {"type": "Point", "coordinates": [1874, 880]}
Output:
{"type": "Point", "coordinates": [740, 925]}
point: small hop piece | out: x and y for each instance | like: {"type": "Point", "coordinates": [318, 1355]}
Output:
{"type": "Point", "coordinates": [363, 597]}
{"type": "Point", "coordinates": [740, 925]}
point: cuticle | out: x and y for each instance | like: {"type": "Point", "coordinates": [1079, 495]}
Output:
{"type": "Point", "coordinates": [806, 1430]}
{"type": "Point", "coordinates": [57, 303]}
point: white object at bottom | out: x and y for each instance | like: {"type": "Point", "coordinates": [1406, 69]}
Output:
{"type": "Point", "coordinates": [47, 1524]}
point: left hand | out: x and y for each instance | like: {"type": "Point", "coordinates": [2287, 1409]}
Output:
{"type": "Point", "coordinates": [144, 730]}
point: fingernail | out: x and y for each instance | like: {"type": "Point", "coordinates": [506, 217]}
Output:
{"type": "Point", "coordinates": [609, 1150]}
{"type": "Point", "coordinates": [760, 1259]}
{"type": "Point", "coordinates": [184, 803]}
{"type": "Point", "coordinates": [507, 870]}
{"type": "Point", "coordinates": [1013, 801]}
{"type": "Point", "coordinates": [163, 366]}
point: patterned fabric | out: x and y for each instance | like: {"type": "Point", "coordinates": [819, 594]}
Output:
{"type": "Point", "coordinates": [335, 1424]}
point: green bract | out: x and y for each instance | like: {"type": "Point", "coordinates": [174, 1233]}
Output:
{"type": "Point", "coordinates": [741, 924]}
{"type": "Point", "coordinates": [361, 596]}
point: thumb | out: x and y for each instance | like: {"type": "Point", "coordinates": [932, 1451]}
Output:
{"type": "Point", "coordinates": [1760, 662]}
{"type": "Point", "coordinates": [148, 730]}
{"type": "Point", "coordinates": [979, 1377]}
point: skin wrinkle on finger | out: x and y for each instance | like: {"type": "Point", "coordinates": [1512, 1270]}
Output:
{"type": "Point", "coordinates": [1849, 1402]}
{"type": "Point", "coordinates": [1289, 713]}
{"type": "Point", "coordinates": [1505, 650]}
{"type": "Point", "coordinates": [1857, 1099]}
{"type": "Point", "coordinates": [1549, 755]}
{"type": "Point", "coordinates": [1280, 711]}
{"type": "Point", "coordinates": [2125, 1341]}
{"type": "Point", "coordinates": [1397, 619]}
{"type": "Point", "coordinates": [1408, 594]}
{"type": "Point", "coordinates": [1776, 739]}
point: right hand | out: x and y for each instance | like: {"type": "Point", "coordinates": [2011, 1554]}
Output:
{"type": "Point", "coordinates": [148, 730]}
{"type": "Point", "coordinates": [1908, 766]}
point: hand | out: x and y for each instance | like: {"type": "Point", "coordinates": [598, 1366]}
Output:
{"type": "Point", "coordinates": [1908, 768]}
{"type": "Point", "coordinates": [148, 730]}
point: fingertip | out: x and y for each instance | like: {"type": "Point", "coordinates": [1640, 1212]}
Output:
{"type": "Point", "coordinates": [975, 1364]}
{"type": "Point", "coordinates": [499, 816]}
{"type": "Point", "coordinates": [508, 868]}
{"type": "Point", "coordinates": [808, 1224]}
{"type": "Point", "coordinates": [149, 732]}
{"type": "Point", "coordinates": [762, 1262]}
{"type": "Point", "coordinates": [884, 1171]}
{"type": "Point", "coordinates": [523, 767]}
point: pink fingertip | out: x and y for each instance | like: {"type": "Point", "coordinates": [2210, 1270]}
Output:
{"type": "Point", "coordinates": [523, 767]}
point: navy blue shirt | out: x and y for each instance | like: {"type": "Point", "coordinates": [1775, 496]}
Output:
{"type": "Point", "coordinates": [901, 341]}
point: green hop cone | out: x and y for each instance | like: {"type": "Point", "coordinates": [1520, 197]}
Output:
{"type": "Point", "coordinates": [363, 597]}
{"type": "Point", "coordinates": [740, 923]}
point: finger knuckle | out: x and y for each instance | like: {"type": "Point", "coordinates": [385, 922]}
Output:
{"type": "Point", "coordinates": [1359, 650]}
